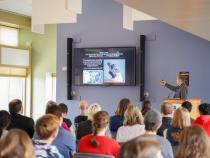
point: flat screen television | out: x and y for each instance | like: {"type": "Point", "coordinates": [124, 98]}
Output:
{"type": "Point", "coordinates": [105, 66]}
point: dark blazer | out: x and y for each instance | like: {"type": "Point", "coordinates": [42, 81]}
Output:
{"type": "Point", "coordinates": [180, 91]}
{"type": "Point", "coordinates": [22, 122]}
{"type": "Point", "coordinates": [166, 123]}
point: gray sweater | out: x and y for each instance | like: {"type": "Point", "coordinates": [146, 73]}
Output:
{"type": "Point", "coordinates": [180, 91]}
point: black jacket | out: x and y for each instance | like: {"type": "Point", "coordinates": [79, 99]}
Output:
{"type": "Point", "coordinates": [166, 123]}
{"type": "Point", "coordinates": [22, 122]}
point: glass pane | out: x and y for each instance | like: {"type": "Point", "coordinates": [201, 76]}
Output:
{"type": "Point", "coordinates": [54, 88]}
{"type": "Point", "coordinates": [4, 91]}
{"type": "Point", "coordinates": [16, 88]}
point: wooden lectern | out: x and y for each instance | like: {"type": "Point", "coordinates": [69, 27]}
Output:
{"type": "Point", "coordinates": [195, 102]}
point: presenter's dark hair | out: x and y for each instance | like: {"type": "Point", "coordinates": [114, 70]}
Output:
{"type": "Point", "coordinates": [181, 77]}
{"type": "Point", "coordinates": [100, 120]}
{"type": "Point", "coordinates": [145, 106]}
{"type": "Point", "coordinates": [4, 120]}
{"type": "Point", "coordinates": [122, 106]}
{"type": "Point", "coordinates": [15, 106]}
{"type": "Point", "coordinates": [204, 109]}
{"type": "Point", "coordinates": [187, 105]}
{"type": "Point", "coordinates": [63, 107]}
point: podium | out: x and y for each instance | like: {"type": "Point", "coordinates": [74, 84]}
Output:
{"type": "Point", "coordinates": [194, 101]}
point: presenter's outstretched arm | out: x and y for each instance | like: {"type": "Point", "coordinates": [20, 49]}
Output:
{"type": "Point", "coordinates": [173, 88]}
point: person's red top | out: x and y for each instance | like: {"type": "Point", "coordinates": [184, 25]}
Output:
{"type": "Point", "coordinates": [203, 121]}
{"type": "Point", "coordinates": [107, 146]}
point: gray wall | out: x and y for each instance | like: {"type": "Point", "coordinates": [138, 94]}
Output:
{"type": "Point", "coordinates": [174, 50]}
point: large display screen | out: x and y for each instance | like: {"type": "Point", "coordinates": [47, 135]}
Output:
{"type": "Point", "coordinates": [104, 66]}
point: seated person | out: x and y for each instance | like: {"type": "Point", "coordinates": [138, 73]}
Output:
{"type": "Point", "coordinates": [97, 142]}
{"type": "Point", "coordinates": [181, 119]}
{"type": "Point", "coordinates": [204, 119]}
{"type": "Point", "coordinates": [83, 107]}
{"type": "Point", "coordinates": [85, 127]}
{"type": "Point", "coordinates": [18, 120]}
{"type": "Point", "coordinates": [47, 130]}
{"type": "Point", "coordinates": [67, 121]}
{"type": "Point", "coordinates": [4, 122]}
{"type": "Point", "coordinates": [145, 106]}
{"type": "Point", "coordinates": [116, 121]}
{"type": "Point", "coordinates": [65, 141]}
{"type": "Point", "coordinates": [188, 106]}
{"type": "Point", "coordinates": [132, 125]}
{"type": "Point", "coordinates": [140, 148]}
{"type": "Point", "coordinates": [16, 144]}
{"type": "Point", "coordinates": [166, 110]}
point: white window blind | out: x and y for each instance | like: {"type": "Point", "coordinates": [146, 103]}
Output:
{"type": "Point", "coordinates": [9, 36]}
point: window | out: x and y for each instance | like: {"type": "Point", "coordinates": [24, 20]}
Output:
{"type": "Point", "coordinates": [9, 36]}
{"type": "Point", "coordinates": [11, 88]}
{"type": "Point", "coordinates": [50, 86]}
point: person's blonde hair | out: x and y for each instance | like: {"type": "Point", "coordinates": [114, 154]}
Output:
{"type": "Point", "coordinates": [132, 116]}
{"type": "Point", "coordinates": [46, 126]}
{"type": "Point", "coordinates": [17, 144]}
{"type": "Point", "coordinates": [181, 118]}
{"type": "Point", "coordinates": [94, 108]}
{"type": "Point", "coordinates": [122, 106]}
{"type": "Point", "coordinates": [194, 143]}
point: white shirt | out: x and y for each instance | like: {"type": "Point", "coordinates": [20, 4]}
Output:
{"type": "Point", "coordinates": [126, 133]}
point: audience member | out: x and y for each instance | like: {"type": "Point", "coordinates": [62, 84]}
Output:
{"type": "Point", "coordinates": [194, 143]}
{"type": "Point", "coordinates": [68, 122]}
{"type": "Point", "coordinates": [204, 119]}
{"type": "Point", "coordinates": [65, 141]}
{"type": "Point", "coordinates": [181, 119]}
{"type": "Point", "coordinates": [85, 127]}
{"type": "Point", "coordinates": [132, 125]}
{"type": "Point", "coordinates": [153, 121]}
{"type": "Point", "coordinates": [97, 142]}
{"type": "Point", "coordinates": [188, 106]}
{"type": "Point", "coordinates": [47, 130]}
{"type": "Point", "coordinates": [83, 107]}
{"type": "Point", "coordinates": [145, 106]}
{"type": "Point", "coordinates": [141, 148]}
{"type": "Point", "coordinates": [4, 122]}
{"type": "Point", "coordinates": [116, 121]}
{"type": "Point", "coordinates": [16, 144]}
{"type": "Point", "coordinates": [166, 110]}
{"type": "Point", "coordinates": [18, 120]}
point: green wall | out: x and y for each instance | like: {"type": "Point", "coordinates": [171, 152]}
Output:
{"type": "Point", "coordinates": [43, 61]}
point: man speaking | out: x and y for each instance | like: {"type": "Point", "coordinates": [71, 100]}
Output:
{"type": "Point", "coordinates": [181, 91]}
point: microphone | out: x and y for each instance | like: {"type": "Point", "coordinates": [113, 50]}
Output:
{"type": "Point", "coordinates": [170, 94]}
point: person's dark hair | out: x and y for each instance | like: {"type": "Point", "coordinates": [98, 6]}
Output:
{"type": "Point", "coordinates": [63, 107]}
{"type": "Point", "coordinates": [15, 106]}
{"type": "Point", "coordinates": [181, 77]}
{"type": "Point", "coordinates": [146, 106]}
{"type": "Point", "coordinates": [55, 110]}
{"type": "Point", "coordinates": [187, 105]}
{"type": "Point", "coordinates": [4, 120]}
{"type": "Point", "coordinates": [122, 106]}
{"type": "Point", "coordinates": [151, 127]}
{"type": "Point", "coordinates": [204, 109]}
{"type": "Point", "coordinates": [100, 120]}
{"type": "Point", "coordinates": [140, 147]}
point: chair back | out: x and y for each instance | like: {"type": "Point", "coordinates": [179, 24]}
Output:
{"type": "Point", "coordinates": [174, 148]}
{"type": "Point", "coordinates": [90, 155]}
{"type": "Point", "coordinates": [114, 135]}
{"type": "Point", "coordinates": [77, 143]}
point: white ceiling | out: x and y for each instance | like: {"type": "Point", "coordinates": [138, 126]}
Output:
{"type": "Point", "coordinates": [22, 7]}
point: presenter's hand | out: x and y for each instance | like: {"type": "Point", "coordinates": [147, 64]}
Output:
{"type": "Point", "coordinates": [162, 82]}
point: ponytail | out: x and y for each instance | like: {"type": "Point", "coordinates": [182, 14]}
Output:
{"type": "Point", "coordinates": [93, 142]}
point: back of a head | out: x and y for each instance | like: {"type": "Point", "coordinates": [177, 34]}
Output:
{"type": "Point", "coordinates": [187, 105]}
{"type": "Point", "coordinates": [181, 118]}
{"type": "Point", "coordinates": [140, 147]}
{"type": "Point", "coordinates": [194, 143]}
{"type": "Point", "coordinates": [167, 108]}
{"type": "Point", "coordinates": [16, 144]}
{"type": "Point", "coordinates": [64, 108]}
{"type": "Point", "coordinates": [181, 78]}
{"type": "Point", "coordinates": [55, 110]}
{"type": "Point", "coordinates": [83, 105]}
{"type": "Point", "coordinates": [152, 120]}
{"type": "Point", "coordinates": [94, 108]}
{"type": "Point", "coordinates": [100, 121]}
{"type": "Point", "coordinates": [49, 103]}
{"type": "Point", "coordinates": [46, 126]}
{"type": "Point", "coordinates": [204, 109]}
{"type": "Point", "coordinates": [15, 106]}
{"type": "Point", "coordinates": [122, 106]}
{"type": "Point", "coordinates": [4, 120]}
{"type": "Point", "coordinates": [146, 106]}
{"type": "Point", "coordinates": [132, 116]}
